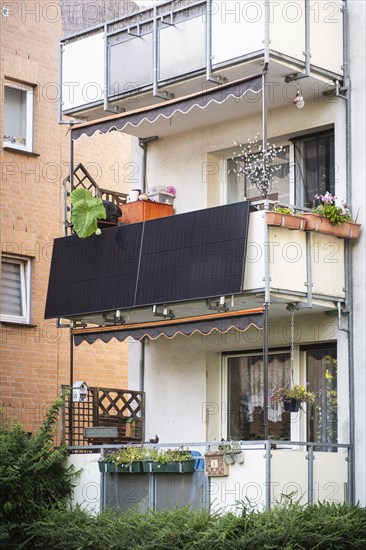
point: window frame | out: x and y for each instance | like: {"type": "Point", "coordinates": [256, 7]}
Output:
{"type": "Point", "coordinates": [298, 426]}
{"type": "Point", "coordinates": [25, 288]}
{"type": "Point", "coordinates": [29, 138]}
{"type": "Point", "coordinates": [278, 143]}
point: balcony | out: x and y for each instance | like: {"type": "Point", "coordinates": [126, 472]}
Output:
{"type": "Point", "coordinates": [217, 263]}
{"type": "Point", "coordinates": [181, 48]}
{"type": "Point", "coordinates": [272, 472]}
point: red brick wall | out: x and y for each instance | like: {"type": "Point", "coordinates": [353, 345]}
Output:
{"type": "Point", "coordinates": [34, 360]}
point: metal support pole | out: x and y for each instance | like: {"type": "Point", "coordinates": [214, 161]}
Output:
{"type": "Point", "coordinates": [310, 458]}
{"type": "Point", "coordinates": [265, 372]}
{"type": "Point", "coordinates": [264, 127]}
{"type": "Point", "coordinates": [71, 160]}
{"type": "Point", "coordinates": [268, 457]}
{"type": "Point", "coordinates": [71, 435]}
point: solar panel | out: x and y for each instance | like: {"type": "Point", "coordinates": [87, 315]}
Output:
{"type": "Point", "coordinates": [196, 255]}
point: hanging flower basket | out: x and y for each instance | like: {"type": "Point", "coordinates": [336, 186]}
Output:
{"type": "Point", "coordinates": [347, 230]}
{"type": "Point", "coordinates": [291, 405]}
{"type": "Point", "coordinates": [289, 221]}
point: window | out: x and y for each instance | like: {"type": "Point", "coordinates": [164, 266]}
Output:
{"type": "Point", "coordinates": [315, 162]}
{"type": "Point", "coordinates": [238, 186]}
{"type": "Point", "coordinates": [18, 116]}
{"type": "Point", "coordinates": [321, 374]}
{"type": "Point", "coordinates": [246, 399]}
{"type": "Point", "coordinates": [15, 289]}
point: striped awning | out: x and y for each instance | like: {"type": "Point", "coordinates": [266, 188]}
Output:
{"type": "Point", "coordinates": [207, 325]}
{"type": "Point", "coordinates": [194, 110]}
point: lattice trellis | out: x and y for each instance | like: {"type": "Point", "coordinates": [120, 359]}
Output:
{"type": "Point", "coordinates": [83, 179]}
{"type": "Point", "coordinates": [105, 407]}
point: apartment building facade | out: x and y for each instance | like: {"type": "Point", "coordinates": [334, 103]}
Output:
{"type": "Point", "coordinates": [220, 306]}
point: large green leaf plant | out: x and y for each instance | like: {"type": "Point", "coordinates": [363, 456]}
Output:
{"type": "Point", "coordinates": [86, 211]}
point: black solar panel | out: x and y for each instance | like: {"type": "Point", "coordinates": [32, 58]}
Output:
{"type": "Point", "coordinates": [190, 256]}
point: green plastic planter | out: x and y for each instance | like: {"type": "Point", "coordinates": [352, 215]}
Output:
{"type": "Point", "coordinates": [183, 467]}
{"type": "Point", "coordinates": [109, 467]}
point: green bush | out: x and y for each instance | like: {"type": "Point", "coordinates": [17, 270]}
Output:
{"type": "Point", "coordinates": [320, 527]}
{"type": "Point", "coordinates": [33, 473]}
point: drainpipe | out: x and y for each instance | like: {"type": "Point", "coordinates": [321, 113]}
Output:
{"type": "Point", "coordinates": [349, 270]}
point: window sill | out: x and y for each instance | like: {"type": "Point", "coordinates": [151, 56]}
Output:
{"type": "Point", "coordinates": [18, 324]}
{"type": "Point", "coordinates": [20, 151]}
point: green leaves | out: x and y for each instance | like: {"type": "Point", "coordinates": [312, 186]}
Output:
{"type": "Point", "coordinates": [33, 474]}
{"type": "Point", "coordinates": [86, 211]}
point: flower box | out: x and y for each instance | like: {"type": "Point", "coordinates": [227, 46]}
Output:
{"type": "Point", "coordinates": [110, 467]}
{"type": "Point", "coordinates": [177, 467]}
{"type": "Point", "coordinates": [289, 221]}
{"type": "Point", "coordinates": [347, 230]}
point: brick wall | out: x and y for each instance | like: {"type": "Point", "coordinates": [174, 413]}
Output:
{"type": "Point", "coordinates": [34, 360]}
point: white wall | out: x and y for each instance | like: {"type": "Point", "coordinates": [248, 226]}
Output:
{"type": "Point", "coordinates": [357, 11]}
{"type": "Point", "coordinates": [182, 160]}
{"type": "Point", "coordinates": [87, 483]}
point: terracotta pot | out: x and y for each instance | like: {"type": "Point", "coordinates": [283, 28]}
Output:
{"type": "Point", "coordinates": [348, 230]}
{"type": "Point", "coordinates": [289, 221]}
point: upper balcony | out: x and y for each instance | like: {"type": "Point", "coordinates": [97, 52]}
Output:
{"type": "Point", "coordinates": [183, 47]}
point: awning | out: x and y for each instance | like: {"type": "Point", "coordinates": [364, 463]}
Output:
{"type": "Point", "coordinates": [210, 324]}
{"type": "Point", "coordinates": [181, 113]}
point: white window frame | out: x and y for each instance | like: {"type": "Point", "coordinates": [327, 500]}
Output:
{"type": "Point", "coordinates": [25, 287]}
{"type": "Point", "coordinates": [279, 143]}
{"type": "Point", "coordinates": [298, 425]}
{"type": "Point", "coordinates": [29, 116]}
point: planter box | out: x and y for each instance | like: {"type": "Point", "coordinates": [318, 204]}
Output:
{"type": "Point", "coordinates": [109, 467]}
{"type": "Point", "coordinates": [183, 467]}
{"type": "Point", "coordinates": [289, 221]}
{"type": "Point", "coordinates": [348, 230]}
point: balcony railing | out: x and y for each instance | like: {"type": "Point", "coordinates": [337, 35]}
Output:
{"type": "Point", "coordinates": [273, 472]}
{"type": "Point", "coordinates": [179, 46]}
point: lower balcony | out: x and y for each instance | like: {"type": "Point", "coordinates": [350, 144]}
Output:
{"type": "Point", "coordinates": [271, 472]}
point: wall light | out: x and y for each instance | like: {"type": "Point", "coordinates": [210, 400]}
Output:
{"type": "Point", "coordinates": [299, 100]}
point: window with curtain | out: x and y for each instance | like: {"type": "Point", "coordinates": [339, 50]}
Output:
{"type": "Point", "coordinates": [15, 289]}
{"type": "Point", "coordinates": [314, 166]}
{"type": "Point", "coordinates": [246, 399]}
{"type": "Point", "coordinates": [321, 375]}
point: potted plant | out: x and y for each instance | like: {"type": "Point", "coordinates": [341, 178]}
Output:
{"type": "Point", "coordinates": [292, 397]}
{"type": "Point", "coordinates": [86, 211]}
{"type": "Point", "coordinates": [285, 217]}
{"type": "Point", "coordinates": [125, 460]}
{"type": "Point", "coordinates": [168, 461]}
{"type": "Point", "coordinates": [329, 218]}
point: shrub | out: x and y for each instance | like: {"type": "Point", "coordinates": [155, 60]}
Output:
{"type": "Point", "coordinates": [323, 527]}
{"type": "Point", "coordinates": [33, 474]}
